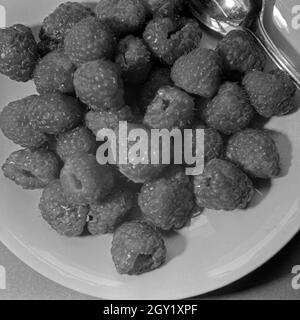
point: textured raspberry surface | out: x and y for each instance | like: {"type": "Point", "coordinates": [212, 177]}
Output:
{"type": "Point", "coordinates": [123, 16]}
{"type": "Point", "coordinates": [54, 73]}
{"type": "Point", "coordinates": [89, 40]}
{"type": "Point", "coordinates": [198, 72]}
{"type": "Point", "coordinates": [230, 110]}
{"type": "Point", "coordinates": [134, 59]}
{"type": "Point", "coordinates": [171, 108]}
{"type": "Point", "coordinates": [85, 181]}
{"type": "Point", "coordinates": [255, 152]}
{"type": "Point", "coordinates": [169, 38]}
{"type": "Point", "coordinates": [15, 124]}
{"type": "Point", "coordinates": [137, 248]}
{"type": "Point", "coordinates": [99, 85]}
{"type": "Point", "coordinates": [55, 113]}
{"type": "Point", "coordinates": [31, 169]}
{"type": "Point", "coordinates": [168, 202]}
{"type": "Point", "coordinates": [65, 218]}
{"type": "Point", "coordinates": [78, 140]}
{"type": "Point", "coordinates": [62, 19]}
{"type": "Point", "coordinates": [105, 217]}
{"type": "Point", "coordinates": [18, 52]}
{"type": "Point", "coordinates": [223, 186]}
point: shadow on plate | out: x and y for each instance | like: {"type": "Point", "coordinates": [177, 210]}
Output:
{"type": "Point", "coordinates": [176, 244]}
{"type": "Point", "coordinates": [262, 189]}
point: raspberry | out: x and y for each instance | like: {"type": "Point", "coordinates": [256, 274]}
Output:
{"type": "Point", "coordinates": [65, 218]}
{"type": "Point", "coordinates": [255, 152]}
{"type": "Point", "coordinates": [285, 78]}
{"type": "Point", "coordinates": [159, 77]}
{"type": "Point", "coordinates": [62, 19]}
{"type": "Point", "coordinates": [140, 172]}
{"type": "Point", "coordinates": [98, 120]}
{"type": "Point", "coordinates": [171, 108]}
{"type": "Point", "coordinates": [78, 140]}
{"type": "Point", "coordinates": [223, 186]}
{"type": "Point", "coordinates": [170, 38]}
{"type": "Point", "coordinates": [164, 8]}
{"type": "Point", "coordinates": [167, 202]}
{"type": "Point", "coordinates": [89, 40]}
{"type": "Point", "coordinates": [99, 85]}
{"type": "Point", "coordinates": [123, 16]}
{"type": "Point", "coordinates": [137, 248]}
{"type": "Point", "coordinates": [18, 52]}
{"type": "Point", "coordinates": [213, 143]}
{"type": "Point", "coordinates": [85, 181]}
{"type": "Point", "coordinates": [198, 72]}
{"type": "Point", "coordinates": [240, 52]}
{"type": "Point", "coordinates": [31, 169]}
{"type": "Point", "coordinates": [134, 59]}
{"type": "Point", "coordinates": [46, 46]}
{"type": "Point", "coordinates": [230, 110]}
{"type": "Point", "coordinates": [270, 93]}
{"type": "Point", "coordinates": [55, 113]}
{"type": "Point", "coordinates": [15, 124]}
{"type": "Point", "coordinates": [107, 216]}
{"type": "Point", "coordinates": [54, 73]}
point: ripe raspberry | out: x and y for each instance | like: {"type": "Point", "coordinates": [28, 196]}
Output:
{"type": "Point", "coordinates": [270, 93]}
{"type": "Point", "coordinates": [287, 80]}
{"type": "Point", "coordinates": [164, 8]}
{"type": "Point", "coordinates": [85, 181]}
{"type": "Point", "coordinates": [78, 140]}
{"type": "Point", "coordinates": [47, 46]}
{"type": "Point", "coordinates": [98, 120]}
{"type": "Point", "coordinates": [134, 59]}
{"type": "Point", "coordinates": [123, 16]}
{"type": "Point", "coordinates": [65, 218]}
{"type": "Point", "coordinates": [167, 202]}
{"type": "Point", "coordinates": [55, 113]}
{"type": "Point", "coordinates": [159, 77]}
{"type": "Point", "coordinates": [137, 248]}
{"type": "Point", "coordinates": [31, 169]}
{"type": "Point", "coordinates": [89, 40]}
{"type": "Point", "coordinates": [169, 38]}
{"type": "Point", "coordinates": [62, 19]}
{"type": "Point", "coordinates": [171, 108]}
{"type": "Point", "coordinates": [255, 152]}
{"type": "Point", "coordinates": [213, 143]}
{"type": "Point", "coordinates": [230, 110]}
{"type": "Point", "coordinates": [223, 186]}
{"type": "Point", "coordinates": [99, 85]}
{"type": "Point", "coordinates": [15, 124]}
{"type": "Point", "coordinates": [240, 52]}
{"type": "Point", "coordinates": [54, 73]}
{"type": "Point", "coordinates": [18, 52]}
{"type": "Point", "coordinates": [107, 216]}
{"type": "Point", "coordinates": [144, 170]}
{"type": "Point", "coordinates": [198, 72]}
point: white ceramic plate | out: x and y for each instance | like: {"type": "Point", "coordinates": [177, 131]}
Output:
{"type": "Point", "coordinates": [215, 250]}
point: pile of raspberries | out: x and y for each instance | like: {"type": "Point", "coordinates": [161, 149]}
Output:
{"type": "Point", "coordinates": [141, 61]}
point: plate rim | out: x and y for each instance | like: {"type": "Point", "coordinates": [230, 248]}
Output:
{"type": "Point", "coordinates": [266, 252]}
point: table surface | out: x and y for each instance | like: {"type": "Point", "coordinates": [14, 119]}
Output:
{"type": "Point", "coordinates": [271, 281]}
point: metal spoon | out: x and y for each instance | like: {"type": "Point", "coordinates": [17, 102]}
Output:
{"type": "Point", "coordinates": [223, 16]}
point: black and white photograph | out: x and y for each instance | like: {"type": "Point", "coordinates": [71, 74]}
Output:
{"type": "Point", "coordinates": [149, 151]}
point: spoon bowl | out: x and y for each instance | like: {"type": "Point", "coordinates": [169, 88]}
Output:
{"type": "Point", "coordinates": [266, 20]}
